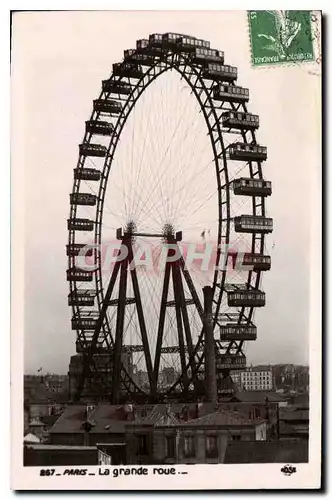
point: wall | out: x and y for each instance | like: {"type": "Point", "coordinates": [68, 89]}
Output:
{"type": "Point", "coordinates": [200, 447]}
{"type": "Point", "coordinates": [67, 438]}
{"type": "Point", "coordinates": [131, 452]}
{"type": "Point", "coordinates": [65, 456]}
{"type": "Point", "coordinates": [95, 438]}
{"type": "Point", "coordinates": [157, 444]}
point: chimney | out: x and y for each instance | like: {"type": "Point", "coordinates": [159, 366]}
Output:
{"type": "Point", "coordinates": [209, 348]}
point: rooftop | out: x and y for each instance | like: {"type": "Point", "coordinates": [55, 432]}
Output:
{"type": "Point", "coordinates": [293, 413]}
{"type": "Point", "coordinates": [260, 368]}
{"type": "Point", "coordinates": [31, 438]}
{"type": "Point", "coordinates": [223, 418]}
{"type": "Point", "coordinates": [258, 397]}
{"type": "Point", "coordinates": [106, 418]}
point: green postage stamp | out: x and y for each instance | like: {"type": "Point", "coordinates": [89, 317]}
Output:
{"type": "Point", "coordinates": [281, 36]}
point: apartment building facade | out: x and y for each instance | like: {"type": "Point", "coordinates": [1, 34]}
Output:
{"type": "Point", "coordinates": [254, 379]}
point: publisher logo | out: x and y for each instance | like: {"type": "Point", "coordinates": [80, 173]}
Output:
{"type": "Point", "coordinates": [288, 470]}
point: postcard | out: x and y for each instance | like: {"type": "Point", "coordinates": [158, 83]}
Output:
{"type": "Point", "coordinates": [166, 250]}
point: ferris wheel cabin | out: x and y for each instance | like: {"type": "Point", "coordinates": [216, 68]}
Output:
{"type": "Point", "coordinates": [75, 224]}
{"type": "Point", "coordinates": [142, 58]}
{"type": "Point", "coordinates": [99, 127]}
{"type": "Point", "coordinates": [142, 45]}
{"type": "Point", "coordinates": [83, 199]}
{"type": "Point", "coordinates": [246, 298]}
{"type": "Point", "coordinates": [107, 106]}
{"type": "Point", "coordinates": [230, 362]}
{"type": "Point", "coordinates": [85, 321]}
{"type": "Point", "coordinates": [258, 262]}
{"type": "Point", "coordinates": [169, 40]}
{"type": "Point", "coordinates": [240, 120]}
{"type": "Point", "coordinates": [83, 346]}
{"type": "Point", "coordinates": [206, 56]}
{"type": "Point", "coordinates": [156, 40]}
{"type": "Point", "coordinates": [97, 150]}
{"type": "Point", "coordinates": [230, 93]}
{"type": "Point", "coordinates": [242, 151]}
{"type": "Point", "coordinates": [87, 174]}
{"type": "Point", "coordinates": [77, 274]}
{"type": "Point", "coordinates": [121, 88]}
{"type": "Point", "coordinates": [131, 70]}
{"type": "Point", "coordinates": [232, 331]}
{"type": "Point", "coordinates": [190, 43]}
{"type": "Point", "coordinates": [220, 72]}
{"type": "Point", "coordinates": [253, 224]}
{"type": "Point", "coordinates": [252, 187]}
{"type": "Point", "coordinates": [82, 297]}
{"type": "Point", "coordinates": [74, 249]}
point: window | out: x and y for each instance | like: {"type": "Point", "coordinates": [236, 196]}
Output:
{"type": "Point", "coordinates": [189, 446]}
{"type": "Point", "coordinates": [211, 446]}
{"type": "Point", "coordinates": [142, 444]}
{"type": "Point", "coordinates": [170, 446]}
{"type": "Point", "coordinates": [236, 437]}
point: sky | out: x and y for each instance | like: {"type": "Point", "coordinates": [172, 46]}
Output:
{"type": "Point", "coordinates": [59, 60]}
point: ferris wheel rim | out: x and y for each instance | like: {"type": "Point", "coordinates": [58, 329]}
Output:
{"type": "Point", "coordinates": [218, 287]}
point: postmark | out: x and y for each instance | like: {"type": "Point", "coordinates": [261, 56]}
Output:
{"type": "Point", "coordinates": [281, 37]}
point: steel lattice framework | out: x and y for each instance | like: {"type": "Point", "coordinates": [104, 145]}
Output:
{"type": "Point", "coordinates": [226, 116]}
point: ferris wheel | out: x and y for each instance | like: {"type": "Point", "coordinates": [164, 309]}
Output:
{"type": "Point", "coordinates": [169, 178]}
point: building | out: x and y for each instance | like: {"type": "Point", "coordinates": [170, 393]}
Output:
{"type": "Point", "coordinates": [284, 379]}
{"type": "Point", "coordinates": [162, 433]}
{"type": "Point", "coordinates": [45, 387]}
{"type": "Point", "coordinates": [254, 379]}
{"type": "Point", "coordinates": [163, 437]}
{"type": "Point", "coordinates": [104, 361]}
{"type": "Point", "coordinates": [294, 423]}
{"type": "Point", "coordinates": [264, 409]}
{"type": "Point", "coordinates": [89, 425]}
{"type": "Point", "coordinates": [291, 378]}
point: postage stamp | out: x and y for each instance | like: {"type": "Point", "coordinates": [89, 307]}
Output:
{"type": "Point", "coordinates": [281, 36]}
